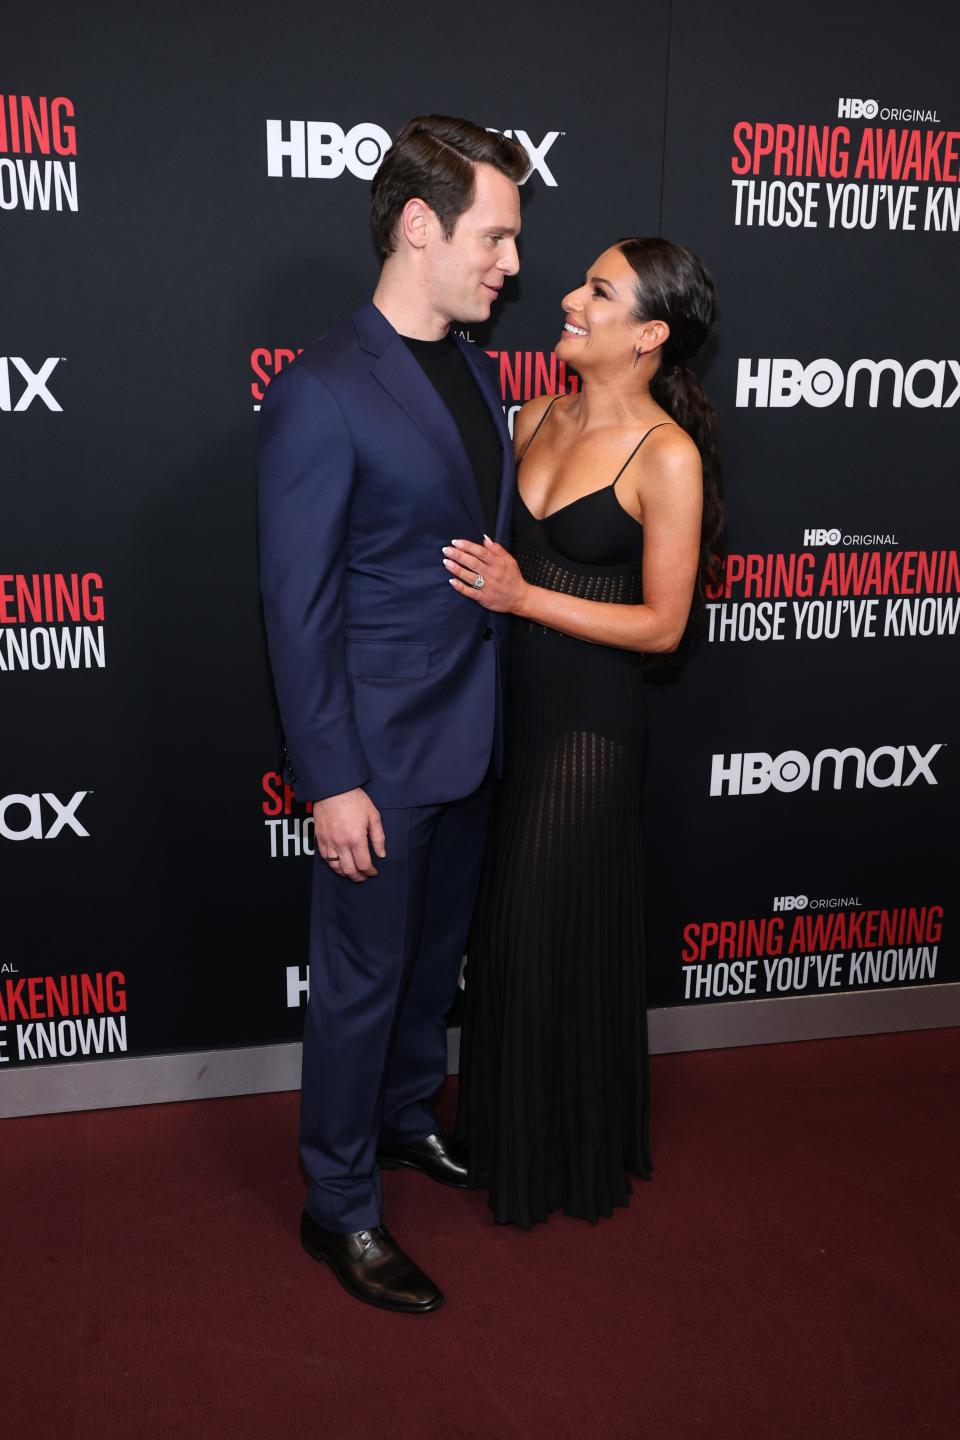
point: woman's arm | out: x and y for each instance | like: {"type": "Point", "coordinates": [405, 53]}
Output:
{"type": "Point", "coordinates": [671, 497]}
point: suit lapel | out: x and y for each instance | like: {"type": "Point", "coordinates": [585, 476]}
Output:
{"type": "Point", "coordinates": [401, 376]}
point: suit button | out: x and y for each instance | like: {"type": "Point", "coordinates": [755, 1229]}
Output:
{"type": "Point", "coordinates": [487, 633]}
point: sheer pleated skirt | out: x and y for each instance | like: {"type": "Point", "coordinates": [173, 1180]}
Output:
{"type": "Point", "coordinates": [553, 1068]}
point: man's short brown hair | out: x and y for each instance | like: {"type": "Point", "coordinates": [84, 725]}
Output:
{"type": "Point", "coordinates": [434, 158]}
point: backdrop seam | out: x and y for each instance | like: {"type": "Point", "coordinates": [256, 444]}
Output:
{"type": "Point", "coordinates": [666, 109]}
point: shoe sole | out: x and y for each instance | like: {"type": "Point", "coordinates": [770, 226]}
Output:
{"type": "Point", "coordinates": [398, 1309]}
{"type": "Point", "coordinates": [411, 1165]}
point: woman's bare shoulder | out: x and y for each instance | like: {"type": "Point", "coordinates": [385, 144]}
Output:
{"type": "Point", "coordinates": [665, 445]}
{"type": "Point", "coordinates": [672, 472]}
{"type": "Point", "coordinates": [528, 418]}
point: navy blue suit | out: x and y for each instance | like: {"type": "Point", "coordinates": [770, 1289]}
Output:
{"type": "Point", "coordinates": [386, 679]}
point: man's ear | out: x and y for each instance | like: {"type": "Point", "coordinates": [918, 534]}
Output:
{"type": "Point", "coordinates": [415, 222]}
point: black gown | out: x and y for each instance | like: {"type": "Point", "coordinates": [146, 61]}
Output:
{"type": "Point", "coordinates": [553, 1099]}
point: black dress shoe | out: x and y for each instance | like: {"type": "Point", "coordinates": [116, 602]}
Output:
{"type": "Point", "coordinates": [439, 1156]}
{"type": "Point", "coordinates": [371, 1265]}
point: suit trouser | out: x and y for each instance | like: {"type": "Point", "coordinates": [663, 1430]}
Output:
{"type": "Point", "coordinates": [384, 961]}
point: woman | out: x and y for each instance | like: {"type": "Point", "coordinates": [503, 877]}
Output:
{"type": "Point", "coordinates": [618, 516]}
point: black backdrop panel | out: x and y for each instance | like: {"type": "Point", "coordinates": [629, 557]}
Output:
{"type": "Point", "coordinates": [156, 286]}
{"type": "Point", "coordinates": [163, 300]}
{"type": "Point", "coordinates": [857, 487]}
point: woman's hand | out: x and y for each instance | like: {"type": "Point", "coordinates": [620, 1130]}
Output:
{"type": "Point", "coordinates": [503, 588]}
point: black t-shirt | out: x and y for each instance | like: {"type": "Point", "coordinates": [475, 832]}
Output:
{"type": "Point", "coordinates": [449, 373]}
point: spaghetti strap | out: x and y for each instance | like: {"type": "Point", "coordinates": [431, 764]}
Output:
{"type": "Point", "coordinates": [635, 448]}
{"type": "Point", "coordinates": [537, 429]}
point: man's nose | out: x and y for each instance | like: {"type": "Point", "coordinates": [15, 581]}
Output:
{"type": "Point", "coordinates": [510, 260]}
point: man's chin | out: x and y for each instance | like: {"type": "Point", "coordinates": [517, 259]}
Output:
{"type": "Point", "coordinates": [472, 316]}
{"type": "Point", "coordinates": [486, 302]}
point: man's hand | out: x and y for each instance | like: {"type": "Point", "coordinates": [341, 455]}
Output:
{"type": "Point", "coordinates": [347, 827]}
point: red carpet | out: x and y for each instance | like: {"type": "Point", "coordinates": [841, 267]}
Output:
{"type": "Point", "coordinates": [793, 1270]}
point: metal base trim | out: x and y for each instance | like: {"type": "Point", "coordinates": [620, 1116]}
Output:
{"type": "Point", "coordinates": [260, 1069]}
{"type": "Point", "coordinates": [803, 1017]}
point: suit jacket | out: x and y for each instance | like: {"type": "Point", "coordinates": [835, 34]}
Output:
{"type": "Point", "coordinates": [385, 676]}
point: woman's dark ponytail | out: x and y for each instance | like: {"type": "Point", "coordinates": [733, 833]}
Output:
{"type": "Point", "coordinates": [673, 285]}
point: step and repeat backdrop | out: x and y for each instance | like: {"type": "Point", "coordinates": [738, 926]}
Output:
{"type": "Point", "coordinates": [184, 206]}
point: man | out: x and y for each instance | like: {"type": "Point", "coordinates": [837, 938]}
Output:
{"type": "Point", "coordinates": [380, 444]}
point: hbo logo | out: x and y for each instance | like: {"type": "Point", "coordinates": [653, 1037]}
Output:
{"type": "Point", "coordinates": [857, 109]}
{"type": "Point", "coordinates": [321, 150]}
{"type": "Point", "coordinates": [791, 902]}
{"type": "Point", "coordinates": [821, 537]}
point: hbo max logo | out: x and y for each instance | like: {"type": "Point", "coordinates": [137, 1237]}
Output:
{"type": "Point", "coordinates": [783, 383]}
{"type": "Point", "coordinates": [323, 150]}
{"type": "Point", "coordinates": [23, 817]}
{"type": "Point", "coordinates": [29, 384]}
{"type": "Point", "coordinates": [754, 772]}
